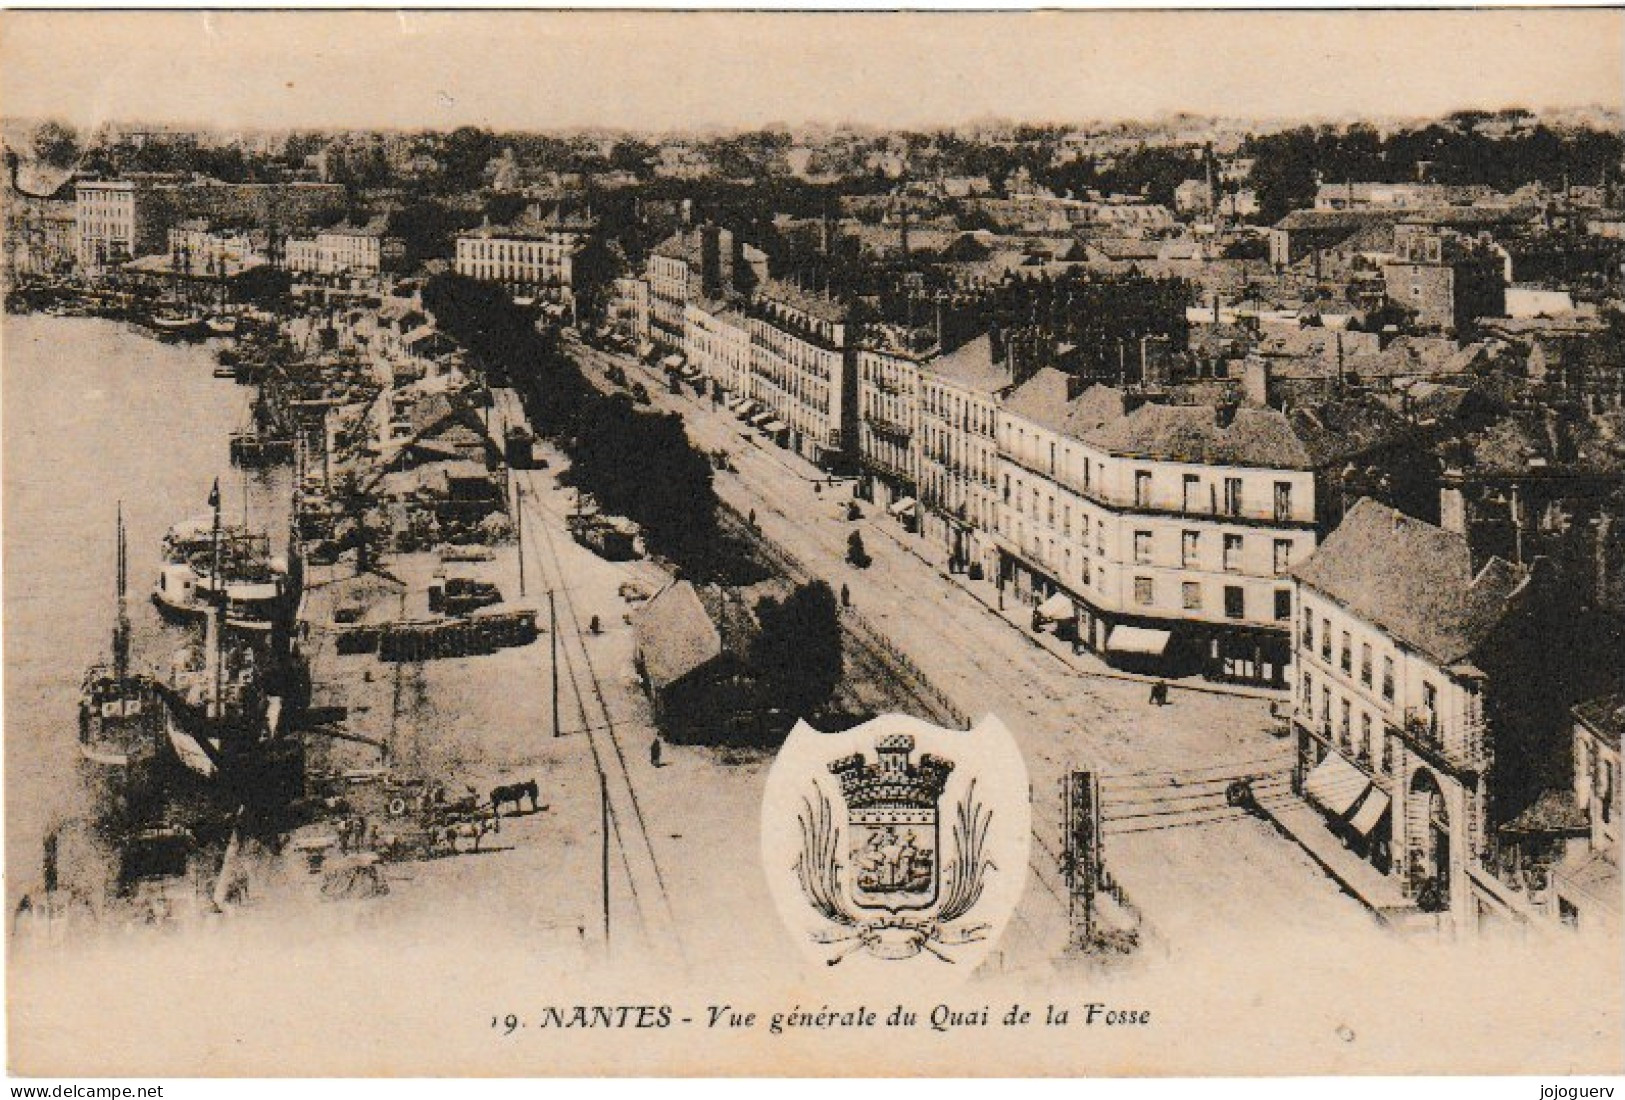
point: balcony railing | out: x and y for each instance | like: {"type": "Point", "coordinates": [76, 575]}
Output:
{"type": "Point", "coordinates": [1421, 731]}
{"type": "Point", "coordinates": [887, 426]}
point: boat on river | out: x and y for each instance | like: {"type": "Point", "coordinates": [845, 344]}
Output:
{"type": "Point", "coordinates": [202, 558]}
{"type": "Point", "coordinates": [120, 711]}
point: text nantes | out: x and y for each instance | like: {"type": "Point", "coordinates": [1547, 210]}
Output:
{"type": "Point", "coordinates": [605, 1016]}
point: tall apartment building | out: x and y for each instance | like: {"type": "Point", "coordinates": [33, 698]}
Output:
{"type": "Point", "coordinates": [717, 343]}
{"type": "Point", "coordinates": [888, 397]}
{"type": "Point", "coordinates": [1168, 531]}
{"type": "Point", "coordinates": [958, 452]}
{"type": "Point", "coordinates": [532, 255]}
{"type": "Point", "coordinates": [802, 368]}
{"type": "Point", "coordinates": [1432, 706]}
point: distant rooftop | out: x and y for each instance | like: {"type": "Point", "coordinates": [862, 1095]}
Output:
{"type": "Point", "coordinates": [809, 302]}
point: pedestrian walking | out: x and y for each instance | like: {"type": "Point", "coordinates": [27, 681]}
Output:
{"type": "Point", "coordinates": [846, 596]}
{"type": "Point", "coordinates": [654, 753]}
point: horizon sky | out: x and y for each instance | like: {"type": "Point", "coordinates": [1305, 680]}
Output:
{"type": "Point", "coordinates": [658, 71]}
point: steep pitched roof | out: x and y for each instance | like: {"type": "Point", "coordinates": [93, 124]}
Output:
{"type": "Point", "coordinates": [675, 635]}
{"type": "Point", "coordinates": [810, 302]}
{"type": "Point", "coordinates": [1096, 406]}
{"type": "Point", "coordinates": [972, 367]}
{"type": "Point", "coordinates": [1338, 429]}
{"type": "Point", "coordinates": [682, 246]}
{"type": "Point", "coordinates": [1044, 399]}
{"type": "Point", "coordinates": [1191, 433]}
{"type": "Point", "coordinates": [1413, 580]}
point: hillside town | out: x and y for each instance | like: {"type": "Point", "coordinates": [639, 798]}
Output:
{"type": "Point", "coordinates": [1275, 477]}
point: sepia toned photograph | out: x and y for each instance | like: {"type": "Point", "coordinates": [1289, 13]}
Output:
{"type": "Point", "coordinates": [720, 543]}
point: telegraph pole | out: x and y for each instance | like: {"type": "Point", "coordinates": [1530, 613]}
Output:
{"type": "Point", "coordinates": [1081, 791]}
{"type": "Point", "coordinates": [553, 633]}
{"type": "Point", "coordinates": [603, 828]}
{"type": "Point", "coordinates": [517, 493]}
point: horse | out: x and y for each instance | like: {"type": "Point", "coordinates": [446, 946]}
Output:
{"type": "Point", "coordinates": [514, 792]}
{"type": "Point", "coordinates": [474, 830]}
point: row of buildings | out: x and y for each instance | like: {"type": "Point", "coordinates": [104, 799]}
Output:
{"type": "Point", "coordinates": [192, 226]}
{"type": "Point", "coordinates": [1431, 680]}
{"type": "Point", "coordinates": [1158, 534]}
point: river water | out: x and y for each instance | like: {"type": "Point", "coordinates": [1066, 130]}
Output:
{"type": "Point", "coordinates": [94, 413]}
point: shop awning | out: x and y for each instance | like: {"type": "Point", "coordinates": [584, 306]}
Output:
{"type": "Point", "coordinates": [1336, 784]}
{"type": "Point", "coordinates": [645, 350]}
{"type": "Point", "coordinates": [1370, 812]}
{"type": "Point", "coordinates": [903, 507]}
{"type": "Point", "coordinates": [774, 426]}
{"type": "Point", "coordinates": [1138, 639]}
{"type": "Point", "coordinates": [1059, 607]}
{"type": "Point", "coordinates": [756, 420]}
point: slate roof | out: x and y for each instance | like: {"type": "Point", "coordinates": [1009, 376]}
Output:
{"type": "Point", "coordinates": [684, 628]}
{"type": "Point", "coordinates": [1412, 580]}
{"type": "Point", "coordinates": [1044, 400]}
{"type": "Point", "coordinates": [1334, 430]}
{"type": "Point", "coordinates": [675, 635]}
{"type": "Point", "coordinates": [972, 367]}
{"type": "Point", "coordinates": [1191, 433]}
{"type": "Point", "coordinates": [809, 302]}
{"type": "Point", "coordinates": [682, 246]}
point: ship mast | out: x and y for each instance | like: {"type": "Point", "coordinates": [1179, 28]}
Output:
{"type": "Point", "coordinates": [214, 637]}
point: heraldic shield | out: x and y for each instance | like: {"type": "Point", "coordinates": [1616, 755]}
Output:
{"type": "Point", "coordinates": [898, 839]}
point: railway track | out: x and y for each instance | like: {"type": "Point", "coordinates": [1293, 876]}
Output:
{"type": "Point", "coordinates": [649, 893]}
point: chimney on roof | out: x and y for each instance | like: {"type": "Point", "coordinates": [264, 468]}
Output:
{"type": "Point", "coordinates": [1255, 380]}
{"type": "Point", "coordinates": [1452, 502]}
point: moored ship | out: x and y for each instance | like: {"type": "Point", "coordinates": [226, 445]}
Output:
{"type": "Point", "coordinates": [224, 716]}
{"type": "Point", "coordinates": [121, 713]}
{"type": "Point", "coordinates": [254, 582]}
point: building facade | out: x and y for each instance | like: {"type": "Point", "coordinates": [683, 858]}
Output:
{"type": "Point", "coordinates": [1173, 528]}
{"type": "Point", "coordinates": [534, 257]}
{"type": "Point", "coordinates": [1430, 706]}
{"type": "Point", "coordinates": [674, 281]}
{"type": "Point", "coordinates": [717, 343]}
{"type": "Point", "coordinates": [802, 369]}
{"type": "Point", "coordinates": [958, 453]}
{"type": "Point", "coordinates": [628, 310]}
{"type": "Point", "coordinates": [118, 220]}
{"type": "Point", "coordinates": [364, 250]}
{"type": "Point", "coordinates": [888, 423]}
{"type": "Point", "coordinates": [41, 236]}
{"type": "Point", "coordinates": [1447, 279]}
{"type": "Point", "coordinates": [1586, 884]}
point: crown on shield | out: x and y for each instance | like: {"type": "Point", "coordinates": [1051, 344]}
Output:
{"type": "Point", "coordinates": [892, 780]}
